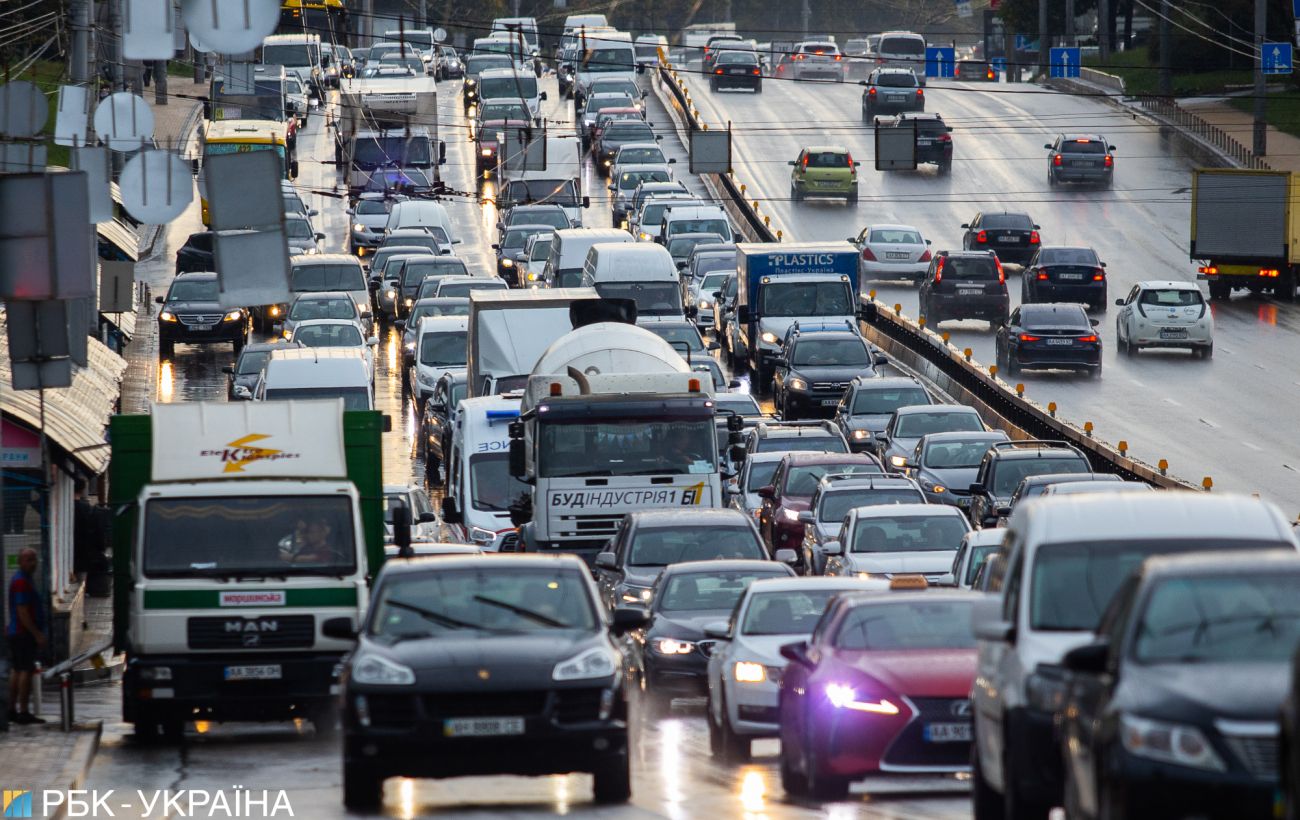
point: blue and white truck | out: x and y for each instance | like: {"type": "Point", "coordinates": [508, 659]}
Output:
{"type": "Point", "coordinates": [780, 284]}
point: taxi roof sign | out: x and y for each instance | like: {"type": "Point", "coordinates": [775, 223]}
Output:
{"type": "Point", "coordinates": [908, 582]}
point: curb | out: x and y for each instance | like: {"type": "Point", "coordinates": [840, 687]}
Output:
{"type": "Point", "coordinates": [78, 766]}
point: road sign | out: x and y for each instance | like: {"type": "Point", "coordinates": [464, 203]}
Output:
{"type": "Point", "coordinates": [1295, 9]}
{"type": "Point", "coordinates": [1276, 58]}
{"type": "Point", "coordinates": [940, 62]}
{"type": "Point", "coordinates": [963, 8]}
{"type": "Point", "coordinates": [1022, 42]}
{"type": "Point", "coordinates": [999, 65]}
{"type": "Point", "coordinates": [1063, 63]}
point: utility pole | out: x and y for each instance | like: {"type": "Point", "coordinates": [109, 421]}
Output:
{"type": "Point", "coordinates": [805, 16]}
{"type": "Point", "coordinates": [79, 71]}
{"type": "Point", "coordinates": [1043, 44]}
{"type": "Point", "coordinates": [1260, 146]}
{"type": "Point", "coordinates": [1166, 52]}
{"type": "Point", "coordinates": [160, 82]}
{"type": "Point", "coordinates": [1069, 24]}
{"type": "Point", "coordinates": [1103, 31]}
{"type": "Point", "coordinates": [115, 44]}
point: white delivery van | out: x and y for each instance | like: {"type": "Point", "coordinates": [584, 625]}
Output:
{"type": "Point", "coordinates": [480, 489]}
{"type": "Point", "coordinates": [416, 213]}
{"type": "Point", "coordinates": [641, 271]}
{"type": "Point", "coordinates": [604, 54]}
{"type": "Point", "coordinates": [511, 85]}
{"type": "Point", "coordinates": [317, 373]}
{"type": "Point", "coordinates": [695, 219]}
{"type": "Point", "coordinates": [902, 49]}
{"type": "Point", "coordinates": [569, 248]}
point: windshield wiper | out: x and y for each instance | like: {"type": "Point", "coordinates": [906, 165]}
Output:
{"type": "Point", "coordinates": [429, 614]}
{"type": "Point", "coordinates": [523, 612]}
{"type": "Point", "coordinates": [409, 636]}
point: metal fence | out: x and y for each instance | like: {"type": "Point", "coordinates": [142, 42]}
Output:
{"type": "Point", "coordinates": [1184, 120]}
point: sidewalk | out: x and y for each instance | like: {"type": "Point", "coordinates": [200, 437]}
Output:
{"type": "Point", "coordinates": [35, 758]}
{"type": "Point", "coordinates": [173, 129]}
{"type": "Point", "coordinates": [1283, 149]}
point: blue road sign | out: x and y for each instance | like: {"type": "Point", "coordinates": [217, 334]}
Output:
{"type": "Point", "coordinates": [940, 62]}
{"type": "Point", "coordinates": [1000, 64]}
{"type": "Point", "coordinates": [1063, 63]}
{"type": "Point", "coordinates": [1276, 58]}
{"type": "Point", "coordinates": [1295, 9]}
{"type": "Point", "coordinates": [1022, 42]}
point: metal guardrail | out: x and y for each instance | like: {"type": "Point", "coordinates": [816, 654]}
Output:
{"type": "Point", "coordinates": [1179, 117]}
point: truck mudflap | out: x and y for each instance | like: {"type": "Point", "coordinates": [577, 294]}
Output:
{"type": "Point", "coordinates": [230, 686]}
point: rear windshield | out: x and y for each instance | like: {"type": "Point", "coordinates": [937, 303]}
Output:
{"type": "Point", "coordinates": [736, 57]}
{"type": "Point", "coordinates": [982, 269]}
{"type": "Point", "coordinates": [760, 475]}
{"type": "Point", "coordinates": [1016, 222]}
{"type": "Point", "coordinates": [1076, 319]}
{"type": "Point", "coordinates": [414, 272]}
{"type": "Point", "coordinates": [803, 444]}
{"type": "Point", "coordinates": [328, 277]}
{"type": "Point", "coordinates": [1171, 298]}
{"type": "Point", "coordinates": [893, 80]}
{"type": "Point", "coordinates": [1068, 256]}
{"type": "Point", "coordinates": [915, 425]}
{"type": "Point", "coordinates": [895, 236]}
{"type": "Point", "coordinates": [826, 159]}
{"type": "Point", "coordinates": [878, 402]}
{"type": "Point", "coordinates": [464, 288]}
{"type": "Point", "coordinates": [800, 482]}
{"type": "Point", "coordinates": [820, 48]}
{"type": "Point", "coordinates": [910, 46]}
{"type": "Point", "coordinates": [1082, 147]}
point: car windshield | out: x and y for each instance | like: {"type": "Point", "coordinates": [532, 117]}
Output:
{"type": "Point", "coordinates": [915, 425]}
{"type": "Point", "coordinates": [1073, 582]}
{"type": "Point", "coordinates": [464, 288]}
{"type": "Point", "coordinates": [895, 236]}
{"type": "Point", "coordinates": [1010, 472]}
{"type": "Point", "coordinates": [740, 58]}
{"type": "Point", "coordinates": [800, 482]}
{"type": "Point", "coordinates": [560, 192]}
{"type": "Point", "coordinates": [829, 353]}
{"type": "Point", "coordinates": [1231, 618]}
{"type": "Point", "coordinates": [443, 307]}
{"type": "Point", "coordinates": [637, 155]}
{"type": "Point", "coordinates": [342, 335]}
{"type": "Point", "coordinates": [416, 270]}
{"type": "Point", "coordinates": [252, 361]}
{"type": "Point", "coordinates": [608, 100]}
{"type": "Point", "coordinates": [298, 54]}
{"type": "Point", "coordinates": [612, 85]}
{"type": "Point", "coordinates": [492, 488]}
{"type": "Point", "coordinates": [680, 248]}
{"type": "Point", "coordinates": [873, 401]}
{"type": "Point", "coordinates": [608, 59]}
{"type": "Point", "coordinates": [541, 251]}
{"type": "Point", "coordinates": [310, 278]}
{"type": "Point", "coordinates": [1068, 256]}
{"type": "Point", "coordinates": [739, 403]}
{"type": "Point", "coordinates": [629, 446]}
{"type": "Point", "coordinates": [677, 335]}
{"type": "Point", "coordinates": [786, 612]}
{"type": "Point", "coordinates": [1012, 222]}
{"type": "Point", "coordinates": [907, 626]}
{"type": "Point", "coordinates": [444, 349]}
{"type": "Point", "coordinates": [896, 80]}
{"type": "Point", "coordinates": [834, 506]}
{"type": "Point", "coordinates": [911, 46]}
{"type": "Point", "coordinates": [307, 309]}
{"type": "Point", "coordinates": [619, 131]}
{"type": "Point", "coordinates": [661, 546]}
{"type": "Point", "coordinates": [503, 111]}
{"type": "Point", "coordinates": [652, 298]}
{"type": "Point", "coordinates": [950, 455]}
{"type": "Point", "coordinates": [298, 229]}
{"type": "Point", "coordinates": [909, 533]}
{"type": "Point", "coordinates": [482, 598]}
{"type": "Point", "coordinates": [711, 591]}
{"type": "Point", "coordinates": [475, 65]}
{"type": "Point", "coordinates": [193, 290]}
{"type": "Point", "coordinates": [1170, 298]}
{"type": "Point", "coordinates": [815, 443]}
{"type": "Point", "coordinates": [713, 281]}
{"type": "Point", "coordinates": [378, 151]}
{"type": "Point", "coordinates": [979, 554]}
{"type": "Point", "coordinates": [760, 475]}
{"type": "Point", "coordinates": [786, 299]}
{"type": "Point", "coordinates": [520, 85]}
{"type": "Point", "coordinates": [237, 535]}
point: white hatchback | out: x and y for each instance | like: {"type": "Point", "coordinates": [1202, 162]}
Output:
{"type": "Point", "coordinates": [892, 252]}
{"type": "Point", "coordinates": [1165, 314]}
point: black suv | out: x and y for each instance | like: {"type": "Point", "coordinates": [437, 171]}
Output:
{"type": "Point", "coordinates": [196, 253]}
{"type": "Point", "coordinates": [1012, 236]}
{"type": "Point", "coordinates": [1049, 335]}
{"type": "Point", "coordinates": [933, 139]}
{"type": "Point", "coordinates": [736, 69]}
{"type": "Point", "coordinates": [815, 368]}
{"type": "Point", "coordinates": [191, 313]}
{"type": "Point", "coordinates": [870, 401]}
{"type": "Point", "coordinates": [1007, 463]}
{"type": "Point", "coordinates": [1083, 158]}
{"type": "Point", "coordinates": [891, 89]}
{"type": "Point", "coordinates": [1059, 274]}
{"type": "Point", "coordinates": [965, 285]}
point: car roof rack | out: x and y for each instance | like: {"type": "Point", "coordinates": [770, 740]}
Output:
{"type": "Point", "coordinates": [821, 324]}
{"type": "Point", "coordinates": [1039, 444]}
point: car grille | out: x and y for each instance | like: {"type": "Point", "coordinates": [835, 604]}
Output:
{"type": "Point", "coordinates": [576, 705]}
{"type": "Point", "coordinates": [830, 386]}
{"type": "Point", "coordinates": [509, 542]}
{"type": "Point", "coordinates": [481, 704]}
{"type": "Point", "coordinates": [588, 526]}
{"type": "Point", "coordinates": [910, 747]}
{"type": "Point", "coordinates": [1258, 755]}
{"type": "Point", "coordinates": [199, 318]}
{"type": "Point", "coordinates": [237, 632]}
{"type": "Point", "coordinates": [562, 706]}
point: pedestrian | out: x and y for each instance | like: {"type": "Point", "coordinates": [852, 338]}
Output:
{"type": "Point", "coordinates": [26, 637]}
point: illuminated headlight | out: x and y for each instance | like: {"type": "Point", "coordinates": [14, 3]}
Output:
{"type": "Point", "coordinates": [672, 646]}
{"type": "Point", "coordinates": [644, 237]}
{"type": "Point", "coordinates": [797, 384]}
{"type": "Point", "coordinates": [424, 377]}
{"type": "Point", "coordinates": [470, 83]}
{"type": "Point", "coordinates": [410, 346]}
{"type": "Point", "coordinates": [156, 673]}
{"type": "Point", "coordinates": [373, 670]}
{"type": "Point", "coordinates": [637, 595]}
{"type": "Point", "coordinates": [487, 152]}
{"type": "Point", "coordinates": [507, 263]}
{"type": "Point", "coordinates": [167, 316]}
{"type": "Point", "coordinates": [867, 576]}
{"type": "Point", "coordinates": [287, 333]}
{"type": "Point", "coordinates": [481, 536]}
{"type": "Point", "coordinates": [705, 304]}
{"type": "Point", "coordinates": [1168, 742]}
{"type": "Point", "coordinates": [359, 228]}
{"type": "Point", "coordinates": [936, 488]}
{"type": "Point", "coordinates": [409, 302]}
{"type": "Point", "coordinates": [861, 435]}
{"type": "Point", "coordinates": [790, 515]}
{"type": "Point", "coordinates": [842, 696]}
{"type": "Point", "coordinates": [898, 461]}
{"type": "Point", "coordinates": [749, 672]}
{"type": "Point", "coordinates": [234, 315]}
{"type": "Point", "coordinates": [596, 662]}
{"type": "Point", "coordinates": [532, 276]}
{"type": "Point", "coordinates": [390, 293]}
{"type": "Point", "coordinates": [607, 163]}
{"type": "Point", "coordinates": [768, 337]}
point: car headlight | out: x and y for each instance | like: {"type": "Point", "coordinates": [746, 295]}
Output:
{"type": "Point", "coordinates": [424, 378]}
{"type": "Point", "coordinates": [390, 294]}
{"type": "Point", "coordinates": [479, 535]}
{"type": "Point", "coordinates": [167, 316]}
{"type": "Point", "coordinates": [233, 316]}
{"type": "Point", "coordinates": [276, 310]}
{"type": "Point", "coordinates": [409, 302]}
{"type": "Point", "coordinates": [672, 646]}
{"type": "Point", "coordinates": [796, 384]}
{"type": "Point", "coordinates": [374, 670]}
{"type": "Point", "coordinates": [867, 576]}
{"type": "Point", "coordinates": [596, 662]}
{"type": "Point", "coordinates": [898, 461]}
{"type": "Point", "coordinates": [843, 696]}
{"type": "Point", "coordinates": [768, 337]}
{"type": "Point", "coordinates": [749, 672]}
{"type": "Point", "coordinates": [1046, 693]}
{"type": "Point", "coordinates": [935, 488]}
{"type": "Point", "coordinates": [705, 304]}
{"type": "Point", "coordinates": [507, 263]}
{"type": "Point", "coordinates": [790, 515]}
{"type": "Point", "coordinates": [486, 152]}
{"type": "Point", "coordinates": [1168, 743]}
{"type": "Point", "coordinates": [410, 346]}
{"type": "Point", "coordinates": [637, 595]}
{"type": "Point", "coordinates": [644, 237]}
{"type": "Point", "coordinates": [861, 435]}
{"type": "Point", "coordinates": [359, 228]}
{"type": "Point", "coordinates": [470, 83]}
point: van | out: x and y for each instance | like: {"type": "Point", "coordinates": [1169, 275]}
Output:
{"type": "Point", "coordinates": [695, 219]}
{"type": "Point", "coordinates": [313, 273]}
{"type": "Point", "coordinates": [902, 49]}
{"type": "Point", "coordinates": [1066, 559]}
{"type": "Point", "coordinates": [442, 345]}
{"type": "Point", "coordinates": [506, 44]}
{"type": "Point", "coordinates": [317, 373]}
{"type": "Point", "coordinates": [526, 26]}
{"type": "Point", "coordinates": [480, 489]}
{"type": "Point", "coordinates": [606, 54]}
{"type": "Point", "coordinates": [299, 54]}
{"type": "Point", "coordinates": [569, 248]}
{"type": "Point", "coordinates": [635, 270]}
{"type": "Point", "coordinates": [512, 85]}
{"type": "Point", "coordinates": [413, 213]}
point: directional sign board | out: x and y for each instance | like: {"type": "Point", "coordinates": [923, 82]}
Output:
{"type": "Point", "coordinates": [940, 62]}
{"type": "Point", "coordinates": [964, 9]}
{"type": "Point", "coordinates": [999, 65]}
{"type": "Point", "coordinates": [1022, 42]}
{"type": "Point", "coordinates": [1276, 58]}
{"type": "Point", "coordinates": [1063, 63]}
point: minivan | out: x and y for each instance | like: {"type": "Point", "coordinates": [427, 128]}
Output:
{"type": "Point", "coordinates": [315, 273]}
{"type": "Point", "coordinates": [635, 270]}
{"type": "Point", "coordinates": [902, 49]}
{"type": "Point", "coordinates": [569, 254]}
{"type": "Point", "coordinates": [511, 84]}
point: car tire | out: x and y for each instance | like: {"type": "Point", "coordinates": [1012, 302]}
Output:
{"type": "Point", "coordinates": [986, 804]}
{"type": "Point", "coordinates": [1051, 180]}
{"type": "Point", "coordinates": [1207, 352]}
{"type": "Point", "coordinates": [1220, 290]}
{"type": "Point", "coordinates": [823, 788]}
{"type": "Point", "coordinates": [612, 780]}
{"type": "Point", "coordinates": [166, 350]}
{"type": "Point", "coordinates": [853, 197]}
{"type": "Point", "coordinates": [945, 167]}
{"type": "Point", "coordinates": [363, 787]}
{"type": "Point", "coordinates": [734, 748]}
{"type": "Point", "coordinates": [758, 89]}
{"type": "Point", "coordinates": [1095, 372]}
{"type": "Point", "coordinates": [791, 782]}
{"type": "Point", "coordinates": [1013, 367]}
{"type": "Point", "coordinates": [1016, 807]}
{"type": "Point", "coordinates": [795, 193]}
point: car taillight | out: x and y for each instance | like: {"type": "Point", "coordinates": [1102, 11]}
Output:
{"type": "Point", "coordinates": [1110, 161]}
{"type": "Point", "coordinates": [867, 255]}
{"type": "Point", "coordinates": [1025, 337]}
{"type": "Point", "coordinates": [945, 138]}
{"type": "Point", "coordinates": [850, 159]}
{"type": "Point", "coordinates": [1098, 275]}
{"type": "Point", "coordinates": [920, 92]}
{"type": "Point", "coordinates": [1042, 276]}
{"type": "Point", "coordinates": [1033, 238]}
{"type": "Point", "coordinates": [756, 72]}
{"type": "Point", "coordinates": [1002, 274]}
{"type": "Point", "coordinates": [805, 161]}
{"type": "Point", "coordinates": [982, 237]}
{"type": "Point", "coordinates": [938, 271]}
{"type": "Point", "coordinates": [719, 71]}
{"type": "Point", "coordinates": [991, 74]}
{"type": "Point", "coordinates": [1056, 160]}
{"type": "Point", "coordinates": [1092, 338]}
{"type": "Point", "coordinates": [871, 92]}
{"type": "Point", "coordinates": [925, 257]}
{"type": "Point", "coordinates": [839, 57]}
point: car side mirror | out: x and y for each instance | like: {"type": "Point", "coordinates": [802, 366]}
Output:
{"type": "Point", "coordinates": [607, 560]}
{"type": "Point", "coordinates": [541, 96]}
{"type": "Point", "coordinates": [797, 653]}
{"type": "Point", "coordinates": [995, 631]}
{"type": "Point", "coordinates": [319, 236]}
{"type": "Point", "coordinates": [293, 168]}
{"type": "Point", "coordinates": [787, 556]}
{"type": "Point", "coordinates": [736, 453]}
{"type": "Point", "coordinates": [718, 630]}
{"type": "Point", "coordinates": [628, 618]}
{"type": "Point", "coordinates": [1110, 147]}
{"type": "Point", "coordinates": [1047, 145]}
{"type": "Point", "coordinates": [586, 202]}
{"type": "Point", "coordinates": [450, 512]}
{"type": "Point", "coordinates": [373, 341]}
{"type": "Point", "coordinates": [313, 212]}
{"type": "Point", "coordinates": [734, 384]}
{"type": "Point", "coordinates": [976, 489]}
{"type": "Point", "coordinates": [1119, 302]}
{"type": "Point", "coordinates": [832, 548]}
{"type": "Point", "coordinates": [402, 530]}
{"type": "Point", "coordinates": [780, 361]}
{"type": "Point", "coordinates": [879, 359]}
{"type": "Point", "coordinates": [427, 517]}
{"type": "Point", "coordinates": [496, 246]}
{"type": "Point", "coordinates": [672, 160]}
{"type": "Point", "coordinates": [1089, 658]}
{"type": "Point", "coordinates": [339, 629]}
{"type": "Point", "coordinates": [807, 517]}
{"type": "Point", "coordinates": [1038, 227]}
{"type": "Point", "coordinates": [242, 392]}
{"type": "Point", "coordinates": [400, 324]}
{"type": "Point", "coordinates": [791, 162]}
{"type": "Point", "coordinates": [160, 300]}
{"type": "Point", "coordinates": [1004, 510]}
{"type": "Point", "coordinates": [713, 346]}
{"type": "Point", "coordinates": [228, 370]}
{"type": "Point", "coordinates": [946, 580]}
{"type": "Point", "coordinates": [965, 224]}
{"type": "Point", "coordinates": [518, 458]}
{"type": "Point", "coordinates": [862, 83]}
{"type": "Point", "coordinates": [767, 492]}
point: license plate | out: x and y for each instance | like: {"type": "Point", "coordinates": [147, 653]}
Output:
{"type": "Point", "coordinates": [963, 502]}
{"type": "Point", "coordinates": [895, 97]}
{"type": "Point", "coordinates": [1011, 239]}
{"type": "Point", "coordinates": [830, 402]}
{"type": "Point", "coordinates": [483, 727]}
{"type": "Point", "coordinates": [924, 142]}
{"type": "Point", "coordinates": [969, 291]}
{"type": "Point", "coordinates": [897, 255]}
{"type": "Point", "coordinates": [738, 71]}
{"type": "Point", "coordinates": [947, 732]}
{"type": "Point", "coordinates": [1172, 333]}
{"type": "Point", "coordinates": [201, 327]}
{"type": "Point", "coordinates": [1072, 277]}
{"type": "Point", "coordinates": [1061, 342]}
{"type": "Point", "coordinates": [269, 671]}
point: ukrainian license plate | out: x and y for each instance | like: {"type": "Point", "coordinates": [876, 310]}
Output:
{"type": "Point", "coordinates": [947, 732]}
{"type": "Point", "coordinates": [1061, 342]}
{"type": "Point", "coordinates": [895, 97]}
{"type": "Point", "coordinates": [267, 671]}
{"type": "Point", "coordinates": [483, 727]}
{"type": "Point", "coordinates": [830, 402]}
{"type": "Point", "coordinates": [1083, 163]}
{"type": "Point", "coordinates": [1070, 277]}
{"type": "Point", "coordinates": [963, 502]}
{"type": "Point", "coordinates": [738, 71]}
{"type": "Point", "coordinates": [201, 327]}
{"type": "Point", "coordinates": [1172, 333]}
{"type": "Point", "coordinates": [1011, 239]}
{"type": "Point", "coordinates": [897, 255]}
{"type": "Point", "coordinates": [923, 141]}
{"type": "Point", "coordinates": [969, 291]}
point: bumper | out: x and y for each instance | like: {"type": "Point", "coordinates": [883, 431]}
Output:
{"type": "Point", "coordinates": [704, 317]}
{"type": "Point", "coordinates": [752, 708]}
{"type": "Point", "coordinates": [895, 270]}
{"type": "Point", "coordinates": [682, 676]}
{"type": "Point", "coordinates": [813, 402]}
{"type": "Point", "coordinates": [1150, 336]}
{"type": "Point", "coordinates": [198, 686]}
{"type": "Point", "coordinates": [828, 188]}
{"type": "Point", "coordinates": [220, 332]}
{"type": "Point", "coordinates": [1093, 293]}
{"type": "Point", "coordinates": [971, 307]}
{"type": "Point", "coordinates": [736, 81]}
{"type": "Point", "coordinates": [1094, 175]}
{"type": "Point", "coordinates": [1158, 790]}
{"type": "Point", "coordinates": [804, 72]}
{"type": "Point", "coordinates": [883, 106]}
{"type": "Point", "coordinates": [1081, 360]}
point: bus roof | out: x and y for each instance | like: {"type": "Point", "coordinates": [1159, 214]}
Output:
{"type": "Point", "coordinates": [253, 131]}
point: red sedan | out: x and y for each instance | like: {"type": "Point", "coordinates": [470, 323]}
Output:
{"type": "Point", "coordinates": [883, 686]}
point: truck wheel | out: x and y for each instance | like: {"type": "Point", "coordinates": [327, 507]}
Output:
{"type": "Point", "coordinates": [612, 782]}
{"type": "Point", "coordinates": [1220, 289]}
{"type": "Point", "coordinates": [363, 787]}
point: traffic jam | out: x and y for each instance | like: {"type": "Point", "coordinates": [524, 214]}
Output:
{"type": "Point", "coordinates": [544, 468]}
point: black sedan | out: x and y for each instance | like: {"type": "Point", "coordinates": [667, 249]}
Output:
{"type": "Point", "coordinates": [736, 69]}
{"type": "Point", "coordinates": [192, 314]}
{"type": "Point", "coordinates": [870, 401]}
{"type": "Point", "coordinates": [196, 253]}
{"type": "Point", "coordinates": [1052, 336]}
{"type": "Point", "coordinates": [1062, 274]}
{"type": "Point", "coordinates": [1172, 711]}
{"type": "Point", "coordinates": [241, 377]}
{"type": "Point", "coordinates": [666, 659]}
{"type": "Point", "coordinates": [1013, 236]}
{"type": "Point", "coordinates": [484, 665]}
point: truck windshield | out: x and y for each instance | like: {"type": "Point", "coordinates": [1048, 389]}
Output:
{"type": "Point", "coordinates": [806, 299]}
{"type": "Point", "coordinates": [628, 446]}
{"type": "Point", "coordinates": [376, 152]}
{"type": "Point", "coordinates": [652, 298]}
{"type": "Point", "coordinates": [298, 54]}
{"type": "Point", "coordinates": [491, 487]}
{"type": "Point", "coordinates": [498, 87]}
{"type": "Point", "coordinates": [268, 535]}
